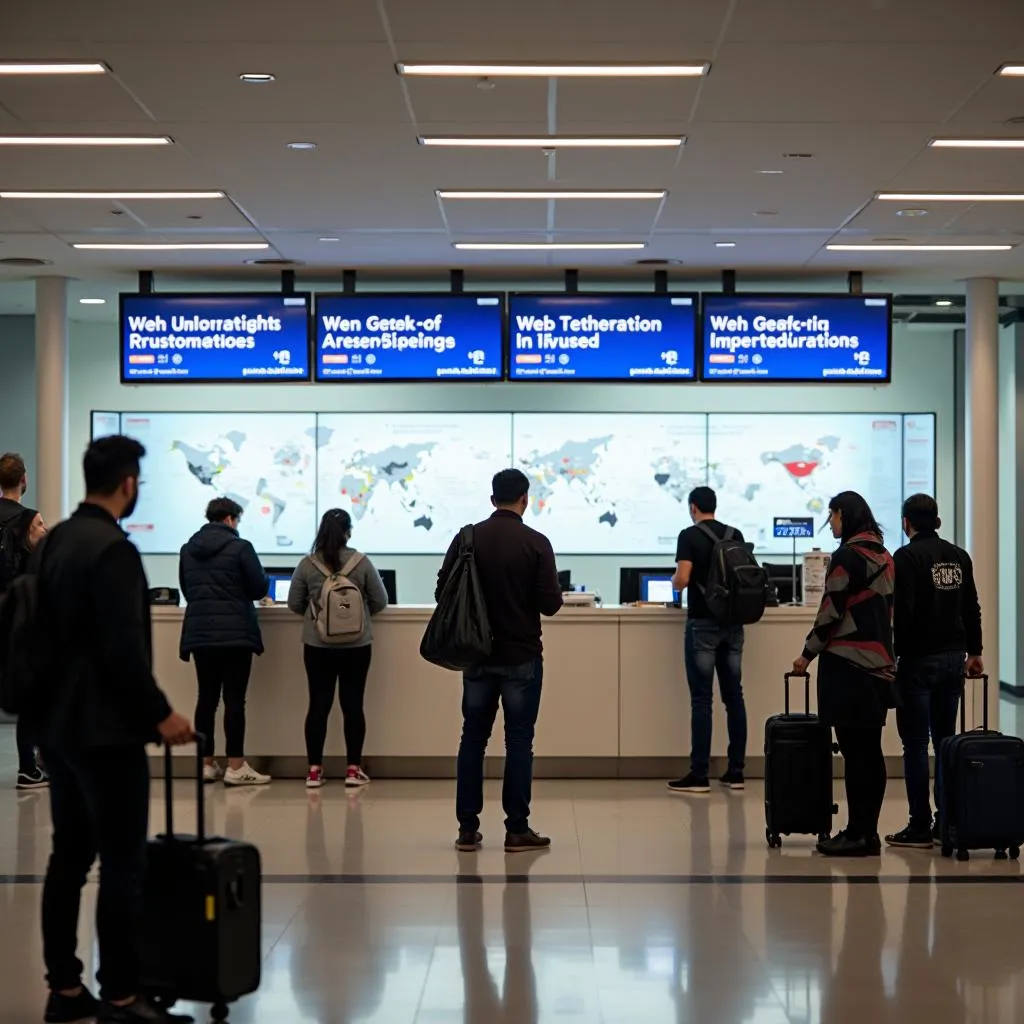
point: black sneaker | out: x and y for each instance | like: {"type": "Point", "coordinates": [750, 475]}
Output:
{"type": "Point", "coordinates": [139, 1012]}
{"type": "Point", "coordinates": [469, 842]}
{"type": "Point", "coordinates": [841, 845]}
{"type": "Point", "coordinates": [68, 1009]}
{"type": "Point", "coordinates": [691, 784]}
{"type": "Point", "coordinates": [525, 842]}
{"type": "Point", "coordinates": [37, 779]}
{"type": "Point", "coordinates": [733, 779]}
{"type": "Point", "coordinates": [911, 838]}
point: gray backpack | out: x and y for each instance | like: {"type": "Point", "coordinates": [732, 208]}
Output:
{"type": "Point", "coordinates": [338, 611]}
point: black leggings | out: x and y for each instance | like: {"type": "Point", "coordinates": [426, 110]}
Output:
{"type": "Point", "coordinates": [865, 778]}
{"type": "Point", "coordinates": [343, 669]}
{"type": "Point", "coordinates": [222, 670]}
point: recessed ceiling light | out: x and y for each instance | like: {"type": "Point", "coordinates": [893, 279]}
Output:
{"type": "Point", "coordinates": [256, 78]}
{"type": "Point", "coordinates": [556, 141]}
{"type": "Point", "coordinates": [977, 143]}
{"type": "Point", "coordinates": [111, 195]}
{"type": "Point", "coordinates": [725, 245]}
{"type": "Point", "coordinates": [1011, 70]}
{"type": "Point", "coordinates": [951, 197]}
{"type": "Point", "coordinates": [542, 246]}
{"type": "Point", "coordinates": [93, 302]}
{"type": "Point", "coordinates": [906, 247]}
{"type": "Point", "coordinates": [10, 67]}
{"type": "Point", "coordinates": [86, 140]}
{"type": "Point", "coordinates": [172, 246]}
{"type": "Point", "coordinates": [304, 146]}
{"type": "Point", "coordinates": [943, 302]}
{"type": "Point", "coordinates": [330, 238]}
{"type": "Point", "coordinates": [548, 194]}
{"type": "Point", "coordinates": [691, 70]}
{"type": "Point", "coordinates": [912, 211]}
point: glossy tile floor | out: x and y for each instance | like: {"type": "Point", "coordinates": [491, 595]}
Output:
{"type": "Point", "coordinates": [649, 908]}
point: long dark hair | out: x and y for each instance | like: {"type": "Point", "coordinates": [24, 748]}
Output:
{"type": "Point", "coordinates": [333, 535]}
{"type": "Point", "coordinates": [857, 515]}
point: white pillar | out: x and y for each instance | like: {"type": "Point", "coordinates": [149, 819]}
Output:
{"type": "Point", "coordinates": [50, 471]}
{"type": "Point", "coordinates": [981, 427]}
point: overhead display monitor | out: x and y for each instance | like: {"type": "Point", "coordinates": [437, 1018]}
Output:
{"type": "Point", "coordinates": [222, 338]}
{"type": "Point", "coordinates": [389, 337]}
{"type": "Point", "coordinates": [839, 338]}
{"type": "Point", "coordinates": [602, 337]}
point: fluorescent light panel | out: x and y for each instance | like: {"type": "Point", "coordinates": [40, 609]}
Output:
{"type": "Point", "coordinates": [548, 194]}
{"type": "Point", "coordinates": [977, 143]}
{"type": "Point", "coordinates": [545, 246]}
{"type": "Point", "coordinates": [85, 140]}
{"type": "Point", "coordinates": [172, 246]}
{"type": "Point", "coordinates": [951, 197]}
{"type": "Point", "coordinates": [1012, 70]}
{"type": "Point", "coordinates": [556, 141]}
{"type": "Point", "coordinates": [871, 247]}
{"type": "Point", "coordinates": [39, 67]}
{"type": "Point", "coordinates": [93, 302]}
{"type": "Point", "coordinates": [111, 195]}
{"type": "Point", "coordinates": [689, 70]}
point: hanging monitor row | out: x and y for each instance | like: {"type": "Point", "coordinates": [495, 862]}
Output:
{"type": "Point", "coordinates": [518, 337]}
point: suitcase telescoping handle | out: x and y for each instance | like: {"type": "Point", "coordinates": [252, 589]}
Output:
{"type": "Point", "coordinates": [984, 702]}
{"type": "Point", "coordinates": [807, 689]}
{"type": "Point", "coordinates": [200, 741]}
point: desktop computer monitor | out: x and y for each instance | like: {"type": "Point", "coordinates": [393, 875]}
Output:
{"type": "Point", "coordinates": [780, 575]}
{"type": "Point", "coordinates": [280, 581]}
{"type": "Point", "coordinates": [630, 581]}
{"type": "Point", "coordinates": [565, 580]}
{"type": "Point", "coordinates": [390, 580]}
{"type": "Point", "coordinates": [656, 588]}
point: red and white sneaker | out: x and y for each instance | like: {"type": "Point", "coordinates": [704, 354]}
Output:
{"type": "Point", "coordinates": [356, 777]}
{"type": "Point", "coordinates": [314, 778]}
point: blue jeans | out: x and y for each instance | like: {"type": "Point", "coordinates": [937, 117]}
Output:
{"type": "Point", "coordinates": [517, 688]}
{"type": "Point", "coordinates": [931, 686]}
{"type": "Point", "coordinates": [711, 648]}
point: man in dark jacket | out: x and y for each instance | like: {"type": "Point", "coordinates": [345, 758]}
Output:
{"type": "Point", "coordinates": [516, 566]}
{"type": "Point", "coordinates": [101, 707]}
{"type": "Point", "coordinates": [220, 577]}
{"type": "Point", "coordinates": [937, 636]}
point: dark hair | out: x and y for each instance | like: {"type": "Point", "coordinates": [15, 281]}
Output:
{"type": "Point", "coordinates": [509, 486]}
{"type": "Point", "coordinates": [922, 512]}
{"type": "Point", "coordinates": [109, 462]}
{"type": "Point", "coordinates": [705, 500]}
{"type": "Point", "coordinates": [223, 508]}
{"type": "Point", "coordinates": [857, 515]}
{"type": "Point", "coordinates": [12, 471]}
{"type": "Point", "coordinates": [333, 535]}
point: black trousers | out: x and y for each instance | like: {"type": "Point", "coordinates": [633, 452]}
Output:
{"type": "Point", "coordinates": [222, 671]}
{"type": "Point", "coordinates": [341, 669]}
{"type": "Point", "coordinates": [25, 739]}
{"type": "Point", "coordinates": [865, 778]}
{"type": "Point", "coordinates": [99, 803]}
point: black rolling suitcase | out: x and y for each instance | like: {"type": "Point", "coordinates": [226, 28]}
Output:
{"type": "Point", "coordinates": [982, 790]}
{"type": "Point", "coordinates": [202, 924]}
{"type": "Point", "coordinates": [797, 773]}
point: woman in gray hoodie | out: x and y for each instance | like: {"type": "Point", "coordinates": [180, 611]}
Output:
{"type": "Point", "coordinates": [333, 664]}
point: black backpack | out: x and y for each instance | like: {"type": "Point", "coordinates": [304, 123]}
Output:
{"type": "Point", "coordinates": [24, 652]}
{"type": "Point", "coordinates": [458, 635]}
{"type": "Point", "coordinates": [12, 551]}
{"type": "Point", "coordinates": [737, 589]}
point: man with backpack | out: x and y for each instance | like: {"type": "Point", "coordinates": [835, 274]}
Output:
{"type": "Point", "coordinates": [726, 589]}
{"type": "Point", "coordinates": [21, 529]}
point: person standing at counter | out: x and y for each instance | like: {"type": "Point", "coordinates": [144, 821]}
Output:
{"type": "Point", "coordinates": [852, 639]}
{"type": "Point", "coordinates": [709, 647]}
{"type": "Point", "coordinates": [220, 577]}
{"type": "Point", "coordinates": [337, 590]}
{"type": "Point", "coordinates": [516, 567]}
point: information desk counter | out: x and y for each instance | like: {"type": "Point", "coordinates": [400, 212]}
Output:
{"type": "Point", "coordinates": [615, 700]}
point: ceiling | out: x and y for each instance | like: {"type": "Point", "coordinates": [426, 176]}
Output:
{"type": "Point", "coordinates": [860, 85]}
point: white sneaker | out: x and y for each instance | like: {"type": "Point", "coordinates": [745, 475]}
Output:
{"type": "Point", "coordinates": [356, 777]}
{"type": "Point", "coordinates": [212, 772]}
{"type": "Point", "coordinates": [245, 776]}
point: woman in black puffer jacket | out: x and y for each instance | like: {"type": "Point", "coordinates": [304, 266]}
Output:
{"type": "Point", "coordinates": [220, 577]}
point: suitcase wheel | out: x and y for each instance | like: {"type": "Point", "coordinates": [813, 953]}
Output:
{"type": "Point", "coordinates": [1000, 855]}
{"type": "Point", "coordinates": [947, 851]}
{"type": "Point", "coordinates": [824, 837]}
{"type": "Point", "coordinates": [963, 854]}
{"type": "Point", "coordinates": [219, 1012]}
{"type": "Point", "coordinates": [835, 809]}
{"type": "Point", "coordinates": [1014, 853]}
{"type": "Point", "coordinates": [161, 1000]}
{"type": "Point", "coordinates": [774, 840]}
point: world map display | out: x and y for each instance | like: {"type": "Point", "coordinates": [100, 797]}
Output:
{"type": "Point", "coordinates": [600, 483]}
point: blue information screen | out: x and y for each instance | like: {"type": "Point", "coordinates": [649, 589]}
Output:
{"type": "Point", "coordinates": [196, 338]}
{"type": "Point", "coordinates": [602, 337]}
{"type": "Point", "coordinates": [387, 337]}
{"type": "Point", "coordinates": [843, 338]}
{"type": "Point", "coordinates": [793, 527]}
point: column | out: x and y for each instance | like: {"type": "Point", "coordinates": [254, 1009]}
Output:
{"type": "Point", "coordinates": [50, 471]}
{"type": "Point", "coordinates": [981, 479]}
